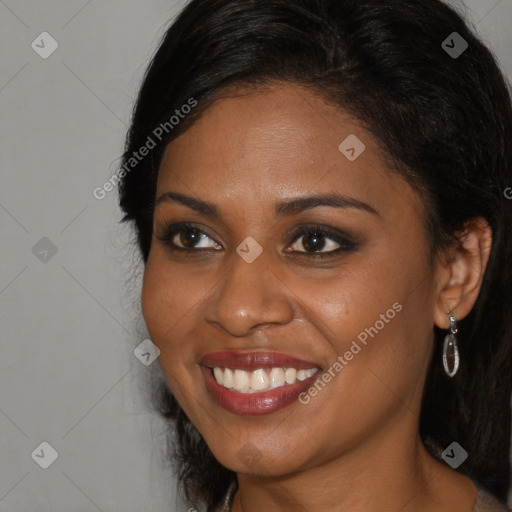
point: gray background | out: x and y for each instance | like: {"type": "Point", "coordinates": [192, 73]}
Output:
{"type": "Point", "coordinates": [69, 325]}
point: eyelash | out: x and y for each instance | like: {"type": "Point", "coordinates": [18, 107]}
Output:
{"type": "Point", "coordinates": [171, 230]}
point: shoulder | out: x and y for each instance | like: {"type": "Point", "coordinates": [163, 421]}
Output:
{"type": "Point", "coordinates": [486, 502]}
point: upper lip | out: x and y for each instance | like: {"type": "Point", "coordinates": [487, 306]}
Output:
{"type": "Point", "coordinates": [250, 361]}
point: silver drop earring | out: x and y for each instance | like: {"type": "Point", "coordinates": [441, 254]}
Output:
{"type": "Point", "coordinates": [450, 349]}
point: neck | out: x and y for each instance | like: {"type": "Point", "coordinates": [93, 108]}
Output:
{"type": "Point", "coordinates": [396, 473]}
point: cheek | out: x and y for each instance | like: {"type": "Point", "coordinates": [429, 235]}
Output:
{"type": "Point", "coordinates": [154, 299]}
{"type": "Point", "coordinates": [372, 316]}
{"type": "Point", "coordinates": [163, 305]}
{"type": "Point", "coordinates": [167, 297]}
{"type": "Point", "coordinates": [171, 304]}
{"type": "Point", "coordinates": [162, 309]}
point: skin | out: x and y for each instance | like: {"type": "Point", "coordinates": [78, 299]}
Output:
{"type": "Point", "coordinates": [354, 446]}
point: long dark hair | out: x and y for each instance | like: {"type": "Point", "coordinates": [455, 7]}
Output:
{"type": "Point", "coordinates": [444, 120]}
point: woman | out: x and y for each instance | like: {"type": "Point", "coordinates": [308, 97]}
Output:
{"type": "Point", "coordinates": [317, 189]}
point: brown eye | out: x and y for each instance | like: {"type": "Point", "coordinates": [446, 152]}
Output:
{"type": "Point", "coordinates": [187, 237]}
{"type": "Point", "coordinates": [315, 242]}
{"type": "Point", "coordinates": [318, 240]}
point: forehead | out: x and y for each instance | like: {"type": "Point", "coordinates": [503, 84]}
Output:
{"type": "Point", "coordinates": [283, 140]}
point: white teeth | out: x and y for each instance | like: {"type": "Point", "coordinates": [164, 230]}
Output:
{"type": "Point", "coordinates": [219, 376]}
{"type": "Point", "coordinates": [241, 380]}
{"type": "Point", "coordinates": [261, 379]}
{"type": "Point", "coordinates": [310, 372]}
{"type": "Point", "coordinates": [276, 377]}
{"type": "Point", "coordinates": [291, 374]}
{"type": "Point", "coordinates": [305, 374]}
{"type": "Point", "coordinates": [228, 381]}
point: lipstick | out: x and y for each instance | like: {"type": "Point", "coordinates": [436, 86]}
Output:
{"type": "Point", "coordinates": [234, 371]}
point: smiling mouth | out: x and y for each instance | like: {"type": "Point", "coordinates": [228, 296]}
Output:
{"type": "Point", "coordinates": [256, 382]}
{"type": "Point", "coordinates": [261, 379]}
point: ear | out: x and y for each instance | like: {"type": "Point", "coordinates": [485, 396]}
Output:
{"type": "Point", "coordinates": [460, 273]}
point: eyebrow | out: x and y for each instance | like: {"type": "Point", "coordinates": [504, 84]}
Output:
{"type": "Point", "coordinates": [283, 208]}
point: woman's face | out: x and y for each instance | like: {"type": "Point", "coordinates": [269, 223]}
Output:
{"type": "Point", "coordinates": [305, 252]}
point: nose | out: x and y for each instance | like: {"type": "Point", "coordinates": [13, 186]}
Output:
{"type": "Point", "coordinates": [250, 296]}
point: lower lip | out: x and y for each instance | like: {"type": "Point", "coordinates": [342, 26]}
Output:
{"type": "Point", "coordinates": [253, 404]}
